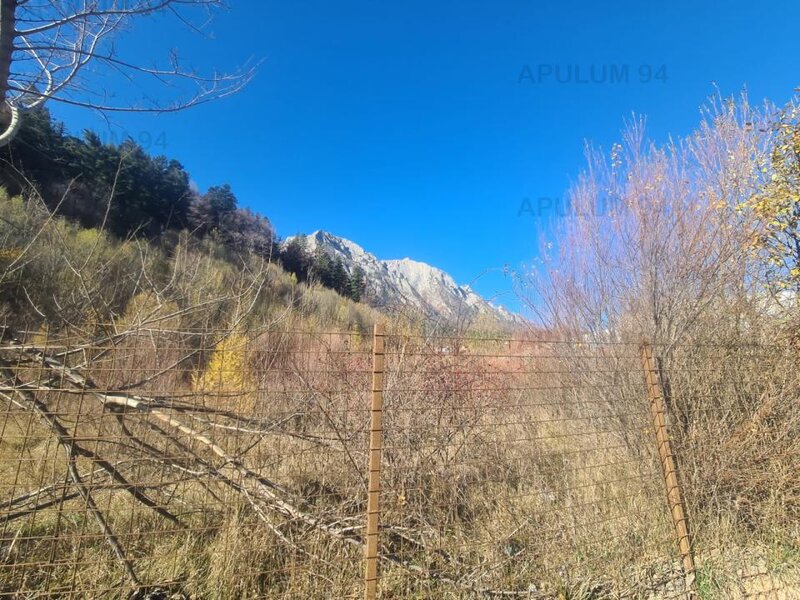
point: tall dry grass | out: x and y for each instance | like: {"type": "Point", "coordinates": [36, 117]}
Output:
{"type": "Point", "coordinates": [518, 467]}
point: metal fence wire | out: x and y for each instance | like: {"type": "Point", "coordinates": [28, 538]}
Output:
{"type": "Point", "coordinates": [162, 463]}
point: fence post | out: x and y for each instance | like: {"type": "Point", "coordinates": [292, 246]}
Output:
{"type": "Point", "coordinates": [670, 471]}
{"type": "Point", "coordinates": [374, 469]}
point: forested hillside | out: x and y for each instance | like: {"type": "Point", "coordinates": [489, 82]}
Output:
{"type": "Point", "coordinates": [116, 203]}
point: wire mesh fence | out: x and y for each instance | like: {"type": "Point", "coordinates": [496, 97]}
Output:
{"type": "Point", "coordinates": [161, 463]}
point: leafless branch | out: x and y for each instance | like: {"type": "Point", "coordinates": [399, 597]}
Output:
{"type": "Point", "coordinates": [57, 50]}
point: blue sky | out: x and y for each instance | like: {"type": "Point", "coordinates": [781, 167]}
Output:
{"type": "Point", "coordinates": [406, 126]}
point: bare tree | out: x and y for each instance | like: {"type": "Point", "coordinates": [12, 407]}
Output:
{"type": "Point", "coordinates": [47, 47]}
{"type": "Point", "coordinates": [654, 243]}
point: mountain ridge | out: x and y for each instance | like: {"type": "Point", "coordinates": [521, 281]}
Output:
{"type": "Point", "coordinates": [407, 284]}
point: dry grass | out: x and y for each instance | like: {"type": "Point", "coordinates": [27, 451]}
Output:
{"type": "Point", "coordinates": [524, 467]}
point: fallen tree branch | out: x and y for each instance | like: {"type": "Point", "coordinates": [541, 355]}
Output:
{"type": "Point", "coordinates": [29, 402]}
{"type": "Point", "coordinates": [255, 487]}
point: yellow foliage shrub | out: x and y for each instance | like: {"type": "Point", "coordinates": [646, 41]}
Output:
{"type": "Point", "coordinates": [227, 369]}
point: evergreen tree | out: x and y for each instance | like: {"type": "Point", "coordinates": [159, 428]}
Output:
{"type": "Point", "coordinates": [78, 175]}
{"type": "Point", "coordinates": [210, 211]}
{"type": "Point", "coordinates": [295, 258]}
{"type": "Point", "coordinates": [321, 267]}
{"type": "Point", "coordinates": [357, 285]}
{"type": "Point", "coordinates": [339, 280]}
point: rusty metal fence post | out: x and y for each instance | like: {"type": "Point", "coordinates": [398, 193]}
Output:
{"type": "Point", "coordinates": [670, 471]}
{"type": "Point", "coordinates": [374, 468]}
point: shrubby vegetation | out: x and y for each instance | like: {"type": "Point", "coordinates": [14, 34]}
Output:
{"type": "Point", "coordinates": [701, 240]}
{"type": "Point", "coordinates": [698, 255]}
{"type": "Point", "coordinates": [54, 271]}
{"type": "Point", "coordinates": [776, 206]}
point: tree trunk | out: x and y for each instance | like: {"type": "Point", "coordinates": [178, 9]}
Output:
{"type": "Point", "coordinates": [8, 24]}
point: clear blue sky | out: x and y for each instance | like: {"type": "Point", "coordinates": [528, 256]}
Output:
{"type": "Point", "coordinates": [404, 125]}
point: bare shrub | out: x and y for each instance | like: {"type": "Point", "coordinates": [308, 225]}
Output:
{"type": "Point", "coordinates": [661, 245]}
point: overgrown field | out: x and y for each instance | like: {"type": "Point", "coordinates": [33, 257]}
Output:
{"type": "Point", "coordinates": [219, 464]}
